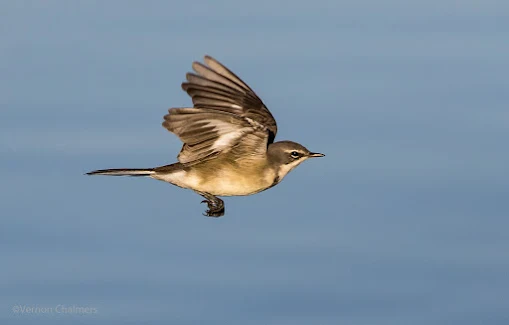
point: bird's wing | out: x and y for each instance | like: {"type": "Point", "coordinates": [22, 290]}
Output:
{"type": "Point", "coordinates": [227, 114]}
{"type": "Point", "coordinates": [207, 132]}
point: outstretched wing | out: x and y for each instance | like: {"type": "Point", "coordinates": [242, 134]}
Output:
{"type": "Point", "coordinates": [207, 132]}
{"type": "Point", "coordinates": [227, 114]}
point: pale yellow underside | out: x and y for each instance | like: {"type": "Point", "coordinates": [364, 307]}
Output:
{"type": "Point", "coordinates": [226, 179]}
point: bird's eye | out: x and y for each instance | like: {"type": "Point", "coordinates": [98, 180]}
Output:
{"type": "Point", "coordinates": [295, 154]}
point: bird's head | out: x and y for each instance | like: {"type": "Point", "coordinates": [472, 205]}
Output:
{"type": "Point", "coordinates": [286, 155]}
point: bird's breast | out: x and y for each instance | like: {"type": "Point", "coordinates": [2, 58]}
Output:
{"type": "Point", "coordinates": [224, 179]}
{"type": "Point", "coordinates": [239, 181]}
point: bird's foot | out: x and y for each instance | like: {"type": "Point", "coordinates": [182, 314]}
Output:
{"type": "Point", "coordinates": [216, 208]}
{"type": "Point", "coordinates": [215, 204]}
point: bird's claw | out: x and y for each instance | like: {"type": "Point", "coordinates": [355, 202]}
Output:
{"type": "Point", "coordinates": [215, 210]}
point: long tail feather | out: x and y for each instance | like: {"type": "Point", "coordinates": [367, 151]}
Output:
{"type": "Point", "coordinates": [123, 172]}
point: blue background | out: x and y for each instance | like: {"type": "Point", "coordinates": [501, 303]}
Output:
{"type": "Point", "coordinates": [404, 222]}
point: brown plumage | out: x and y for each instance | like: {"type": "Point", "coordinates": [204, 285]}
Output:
{"type": "Point", "coordinates": [228, 138]}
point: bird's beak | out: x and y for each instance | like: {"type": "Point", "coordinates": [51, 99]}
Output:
{"type": "Point", "coordinates": [316, 154]}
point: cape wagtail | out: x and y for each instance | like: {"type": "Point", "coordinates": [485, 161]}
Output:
{"type": "Point", "coordinates": [228, 138]}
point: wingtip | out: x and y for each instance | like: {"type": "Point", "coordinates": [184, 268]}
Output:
{"type": "Point", "coordinates": [209, 59]}
{"type": "Point", "coordinates": [196, 65]}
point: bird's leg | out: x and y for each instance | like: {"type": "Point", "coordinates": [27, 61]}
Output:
{"type": "Point", "coordinates": [215, 204]}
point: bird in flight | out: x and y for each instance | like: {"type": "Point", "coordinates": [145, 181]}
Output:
{"type": "Point", "coordinates": [228, 137]}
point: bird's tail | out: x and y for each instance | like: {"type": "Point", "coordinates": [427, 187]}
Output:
{"type": "Point", "coordinates": [123, 172]}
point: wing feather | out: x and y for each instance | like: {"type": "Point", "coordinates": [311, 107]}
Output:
{"type": "Point", "coordinates": [227, 115]}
